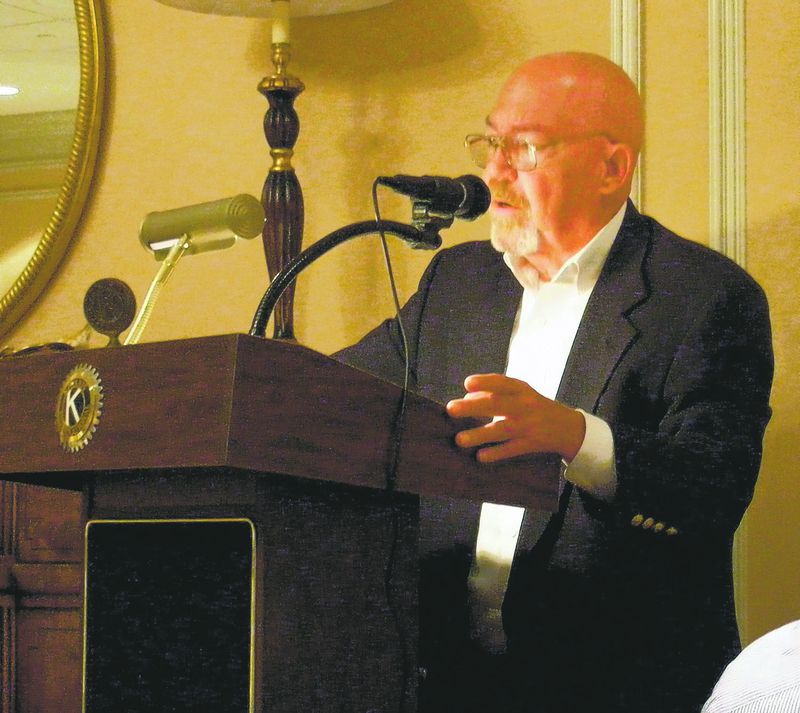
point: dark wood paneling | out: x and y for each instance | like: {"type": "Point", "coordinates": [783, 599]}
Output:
{"type": "Point", "coordinates": [49, 654]}
{"type": "Point", "coordinates": [48, 526]}
{"type": "Point", "coordinates": [41, 576]}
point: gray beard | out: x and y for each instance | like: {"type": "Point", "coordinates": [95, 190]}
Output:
{"type": "Point", "coordinates": [509, 237]}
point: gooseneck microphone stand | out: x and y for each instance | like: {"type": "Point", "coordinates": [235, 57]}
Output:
{"type": "Point", "coordinates": [423, 235]}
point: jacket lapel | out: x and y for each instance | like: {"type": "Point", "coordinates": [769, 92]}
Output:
{"type": "Point", "coordinates": [508, 293]}
{"type": "Point", "coordinates": [606, 332]}
{"type": "Point", "coordinates": [487, 318]}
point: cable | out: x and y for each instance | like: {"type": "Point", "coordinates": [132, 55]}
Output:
{"type": "Point", "coordinates": [398, 425]}
{"type": "Point", "coordinates": [399, 418]}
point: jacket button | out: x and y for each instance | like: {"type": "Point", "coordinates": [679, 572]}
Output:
{"type": "Point", "coordinates": [637, 520]}
{"type": "Point", "coordinates": [658, 527]}
{"type": "Point", "coordinates": [671, 531]}
{"type": "Point", "coordinates": [647, 524]}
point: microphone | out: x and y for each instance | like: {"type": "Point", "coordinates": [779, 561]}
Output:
{"type": "Point", "coordinates": [211, 225]}
{"type": "Point", "coordinates": [465, 197]}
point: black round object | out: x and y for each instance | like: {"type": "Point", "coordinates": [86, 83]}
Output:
{"type": "Point", "coordinates": [109, 306]}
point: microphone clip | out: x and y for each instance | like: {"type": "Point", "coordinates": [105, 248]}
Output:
{"type": "Point", "coordinates": [428, 220]}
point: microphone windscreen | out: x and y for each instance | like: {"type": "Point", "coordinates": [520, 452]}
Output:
{"type": "Point", "coordinates": [477, 200]}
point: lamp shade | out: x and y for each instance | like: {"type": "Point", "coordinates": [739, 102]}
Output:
{"type": "Point", "coordinates": [262, 8]}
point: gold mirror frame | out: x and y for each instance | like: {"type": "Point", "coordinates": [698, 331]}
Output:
{"type": "Point", "coordinates": [80, 165]}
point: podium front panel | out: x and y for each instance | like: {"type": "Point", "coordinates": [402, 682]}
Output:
{"type": "Point", "coordinates": [169, 616]}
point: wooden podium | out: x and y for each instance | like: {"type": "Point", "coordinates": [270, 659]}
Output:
{"type": "Point", "coordinates": [243, 552]}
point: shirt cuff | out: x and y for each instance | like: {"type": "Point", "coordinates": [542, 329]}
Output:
{"type": "Point", "coordinates": [593, 469]}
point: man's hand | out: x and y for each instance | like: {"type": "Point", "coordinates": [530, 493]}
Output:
{"type": "Point", "coordinates": [525, 421]}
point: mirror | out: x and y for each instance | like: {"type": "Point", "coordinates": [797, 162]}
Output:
{"type": "Point", "coordinates": [50, 107]}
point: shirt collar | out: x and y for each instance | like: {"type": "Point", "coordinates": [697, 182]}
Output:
{"type": "Point", "coordinates": [583, 268]}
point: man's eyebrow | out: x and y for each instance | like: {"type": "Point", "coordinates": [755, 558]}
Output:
{"type": "Point", "coordinates": [520, 128]}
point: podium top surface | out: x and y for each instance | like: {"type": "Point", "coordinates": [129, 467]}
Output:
{"type": "Point", "coordinates": [242, 402]}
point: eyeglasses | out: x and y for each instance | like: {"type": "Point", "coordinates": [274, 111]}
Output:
{"type": "Point", "coordinates": [520, 154]}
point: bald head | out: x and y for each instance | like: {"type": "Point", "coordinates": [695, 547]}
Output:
{"type": "Point", "coordinates": [575, 93]}
{"type": "Point", "coordinates": [583, 115]}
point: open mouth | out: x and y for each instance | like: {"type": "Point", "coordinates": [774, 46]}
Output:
{"type": "Point", "coordinates": [504, 205]}
{"type": "Point", "coordinates": [505, 199]}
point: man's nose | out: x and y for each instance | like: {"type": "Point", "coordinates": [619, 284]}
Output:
{"type": "Point", "coordinates": [498, 168]}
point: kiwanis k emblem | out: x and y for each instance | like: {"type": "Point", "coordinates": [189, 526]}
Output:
{"type": "Point", "coordinates": [78, 407]}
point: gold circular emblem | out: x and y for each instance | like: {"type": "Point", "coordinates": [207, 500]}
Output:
{"type": "Point", "coordinates": [78, 408]}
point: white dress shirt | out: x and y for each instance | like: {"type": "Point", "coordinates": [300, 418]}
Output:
{"type": "Point", "coordinates": [546, 323]}
{"type": "Point", "coordinates": [764, 678]}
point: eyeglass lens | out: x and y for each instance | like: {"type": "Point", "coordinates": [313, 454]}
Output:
{"type": "Point", "coordinates": [519, 154]}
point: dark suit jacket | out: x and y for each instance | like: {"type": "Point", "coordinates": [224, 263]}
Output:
{"type": "Point", "coordinates": [622, 606]}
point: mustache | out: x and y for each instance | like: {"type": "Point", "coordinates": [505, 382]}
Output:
{"type": "Point", "coordinates": [502, 192]}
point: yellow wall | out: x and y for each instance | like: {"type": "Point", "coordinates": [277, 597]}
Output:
{"type": "Point", "coordinates": [394, 90]}
{"type": "Point", "coordinates": [773, 205]}
{"type": "Point", "coordinates": [675, 92]}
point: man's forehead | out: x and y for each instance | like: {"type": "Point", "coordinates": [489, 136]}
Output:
{"type": "Point", "coordinates": [549, 103]}
{"type": "Point", "coordinates": [516, 125]}
{"type": "Point", "coordinates": [532, 109]}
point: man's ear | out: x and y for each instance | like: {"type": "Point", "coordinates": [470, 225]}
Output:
{"type": "Point", "coordinates": [619, 165]}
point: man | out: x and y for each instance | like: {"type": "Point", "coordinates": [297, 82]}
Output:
{"type": "Point", "coordinates": [643, 359]}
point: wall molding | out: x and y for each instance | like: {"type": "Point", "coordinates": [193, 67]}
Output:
{"type": "Point", "coordinates": [626, 45]}
{"type": "Point", "coordinates": [727, 186]}
{"type": "Point", "coordinates": [727, 160]}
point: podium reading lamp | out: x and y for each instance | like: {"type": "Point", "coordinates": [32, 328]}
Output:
{"type": "Point", "coordinates": [170, 234]}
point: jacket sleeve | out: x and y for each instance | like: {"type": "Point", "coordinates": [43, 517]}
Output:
{"type": "Point", "coordinates": [696, 470]}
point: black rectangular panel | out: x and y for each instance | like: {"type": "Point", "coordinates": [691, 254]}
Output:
{"type": "Point", "coordinates": [169, 616]}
